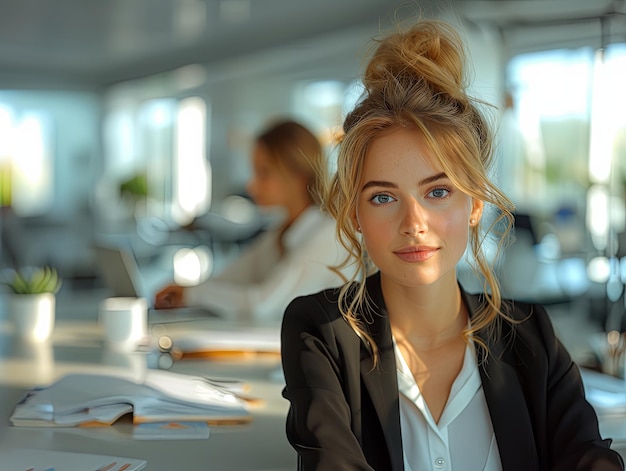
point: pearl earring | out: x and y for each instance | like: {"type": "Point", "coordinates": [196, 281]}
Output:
{"type": "Point", "coordinates": [472, 221]}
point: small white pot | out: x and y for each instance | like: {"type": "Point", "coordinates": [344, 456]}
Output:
{"type": "Point", "coordinates": [33, 315]}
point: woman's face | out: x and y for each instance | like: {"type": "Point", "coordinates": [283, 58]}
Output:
{"type": "Point", "coordinates": [415, 222]}
{"type": "Point", "coordinates": [272, 185]}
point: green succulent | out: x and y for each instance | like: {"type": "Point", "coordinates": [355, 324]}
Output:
{"type": "Point", "coordinates": [34, 281]}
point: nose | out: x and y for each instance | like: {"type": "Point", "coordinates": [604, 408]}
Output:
{"type": "Point", "coordinates": [414, 219]}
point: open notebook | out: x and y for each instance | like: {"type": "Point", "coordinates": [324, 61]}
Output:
{"type": "Point", "coordinates": [122, 277]}
{"type": "Point", "coordinates": [80, 400]}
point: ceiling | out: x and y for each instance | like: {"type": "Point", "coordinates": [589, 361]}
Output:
{"type": "Point", "coordinates": [98, 42]}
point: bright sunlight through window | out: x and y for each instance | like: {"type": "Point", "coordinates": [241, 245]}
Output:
{"type": "Point", "coordinates": [192, 178]}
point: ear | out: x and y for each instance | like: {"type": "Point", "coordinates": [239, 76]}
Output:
{"type": "Point", "coordinates": [477, 211]}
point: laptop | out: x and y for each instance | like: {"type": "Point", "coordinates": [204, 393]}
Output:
{"type": "Point", "coordinates": [122, 277]}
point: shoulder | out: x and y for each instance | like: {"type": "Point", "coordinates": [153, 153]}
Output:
{"type": "Point", "coordinates": [521, 323]}
{"type": "Point", "coordinates": [319, 311]}
{"type": "Point", "coordinates": [313, 217]}
{"type": "Point", "coordinates": [315, 320]}
{"type": "Point", "coordinates": [318, 222]}
{"type": "Point", "coordinates": [527, 315]}
{"type": "Point", "coordinates": [323, 305]}
{"type": "Point", "coordinates": [531, 328]}
{"type": "Point", "coordinates": [517, 313]}
{"type": "Point", "coordinates": [310, 227]}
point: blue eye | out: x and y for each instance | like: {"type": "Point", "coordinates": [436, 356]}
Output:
{"type": "Point", "coordinates": [439, 193]}
{"type": "Point", "coordinates": [382, 198]}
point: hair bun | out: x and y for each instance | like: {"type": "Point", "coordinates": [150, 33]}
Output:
{"type": "Point", "coordinates": [429, 54]}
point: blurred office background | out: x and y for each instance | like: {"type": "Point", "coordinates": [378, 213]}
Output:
{"type": "Point", "coordinates": [122, 121]}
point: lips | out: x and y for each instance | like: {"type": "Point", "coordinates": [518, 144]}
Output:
{"type": "Point", "coordinates": [416, 254]}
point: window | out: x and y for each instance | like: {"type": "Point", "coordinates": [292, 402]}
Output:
{"type": "Point", "coordinates": [26, 162]}
{"type": "Point", "coordinates": [563, 141]}
{"type": "Point", "coordinates": [156, 162]}
{"type": "Point", "coordinates": [192, 176]}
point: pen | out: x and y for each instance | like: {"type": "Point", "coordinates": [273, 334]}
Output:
{"type": "Point", "coordinates": [124, 466]}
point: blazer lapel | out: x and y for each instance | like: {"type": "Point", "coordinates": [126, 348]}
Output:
{"type": "Point", "coordinates": [381, 382]}
{"type": "Point", "coordinates": [501, 386]}
{"type": "Point", "coordinates": [506, 403]}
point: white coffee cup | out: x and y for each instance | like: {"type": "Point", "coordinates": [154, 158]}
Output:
{"type": "Point", "coordinates": [124, 323]}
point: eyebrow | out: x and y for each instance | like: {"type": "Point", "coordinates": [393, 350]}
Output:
{"type": "Point", "coordinates": [386, 184]}
{"type": "Point", "coordinates": [434, 178]}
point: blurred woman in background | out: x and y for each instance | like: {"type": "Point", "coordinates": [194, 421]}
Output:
{"type": "Point", "coordinates": [295, 258]}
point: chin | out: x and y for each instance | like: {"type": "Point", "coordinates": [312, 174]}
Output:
{"type": "Point", "coordinates": [416, 280]}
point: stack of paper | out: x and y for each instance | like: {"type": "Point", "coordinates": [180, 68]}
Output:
{"type": "Point", "coordinates": [224, 344]}
{"type": "Point", "coordinates": [101, 399]}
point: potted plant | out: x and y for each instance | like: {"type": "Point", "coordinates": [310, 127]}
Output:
{"type": "Point", "coordinates": [31, 301]}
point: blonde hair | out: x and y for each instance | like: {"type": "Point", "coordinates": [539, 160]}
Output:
{"type": "Point", "coordinates": [295, 148]}
{"type": "Point", "coordinates": [416, 78]}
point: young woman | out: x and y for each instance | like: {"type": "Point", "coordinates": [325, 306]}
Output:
{"type": "Point", "coordinates": [401, 368]}
{"type": "Point", "coordinates": [295, 258]}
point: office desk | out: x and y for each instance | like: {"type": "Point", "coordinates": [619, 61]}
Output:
{"type": "Point", "coordinates": [77, 347]}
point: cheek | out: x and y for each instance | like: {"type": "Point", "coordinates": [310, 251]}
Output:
{"type": "Point", "coordinates": [370, 217]}
{"type": "Point", "coordinates": [272, 183]}
{"type": "Point", "coordinates": [376, 234]}
{"type": "Point", "coordinates": [292, 185]}
{"type": "Point", "coordinates": [263, 190]}
{"type": "Point", "coordinates": [455, 226]}
{"type": "Point", "coordinates": [456, 219]}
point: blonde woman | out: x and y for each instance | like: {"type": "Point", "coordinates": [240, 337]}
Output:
{"type": "Point", "coordinates": [401, 368]}
{"type": "Point", "coordinates": [293, 259]}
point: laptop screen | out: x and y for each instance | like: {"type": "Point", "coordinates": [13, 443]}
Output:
{"type": "Point", "coordinates": [119, 271]}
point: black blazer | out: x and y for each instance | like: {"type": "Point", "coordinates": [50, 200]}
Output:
{"type": "Point", "coordinates": [344, 414]}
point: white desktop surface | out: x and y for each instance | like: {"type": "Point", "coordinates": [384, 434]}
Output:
{"type": "Point", "coordinates": [77, 346]}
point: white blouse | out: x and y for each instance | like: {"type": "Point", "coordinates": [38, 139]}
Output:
{"type": "Point", "coordinates": [260, 283]}
{"type": "Point", "coordinates": [463, 440]}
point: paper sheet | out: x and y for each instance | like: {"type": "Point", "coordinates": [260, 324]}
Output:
{"type": "Point", "coordinates": [29, 459]}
